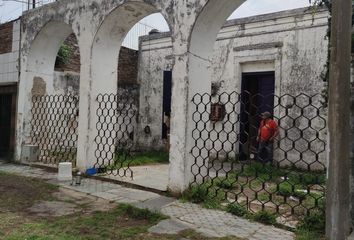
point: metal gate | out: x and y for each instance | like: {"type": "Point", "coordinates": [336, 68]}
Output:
{"type": "Point", "coordinates": [115, 134]}
{"type": "Point", "coordinates": [54, 127]}
{"type": "Point", "coordinates": [286, 177]}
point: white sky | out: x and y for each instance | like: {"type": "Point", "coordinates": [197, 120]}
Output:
{"type": "Point", "coordinates": [10, 10]}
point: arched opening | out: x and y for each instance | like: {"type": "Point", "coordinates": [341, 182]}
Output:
{"type": "Point", "coordinates": [132, 144]}
{"type": "Point", "coordinates": [238, 70]}
{"type": "Point", "coordinates": [52, 75]}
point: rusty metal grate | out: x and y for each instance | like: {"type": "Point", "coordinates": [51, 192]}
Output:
{"type": "Point", "coordinates": [54, 127]}
{"type": "Point", "coordinates": [115, 134]}
{"type": "Point", "coordinates": [288, 180]}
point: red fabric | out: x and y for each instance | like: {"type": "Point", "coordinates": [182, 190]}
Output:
{"type": "Point", "coordinates": [267, 129]}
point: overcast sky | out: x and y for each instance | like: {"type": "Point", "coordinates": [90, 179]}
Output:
{"type": "Point", "coordinates": [11, 10]}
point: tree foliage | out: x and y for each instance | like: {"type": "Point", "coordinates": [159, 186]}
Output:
{"type": "Point", "coordinates": [64, 54]}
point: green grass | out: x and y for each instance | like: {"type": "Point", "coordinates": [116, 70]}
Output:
{"type": "Point", "coordinates": [123, 222]}
{"type": "Point", "coordinates": [264, 197]}
{"type": "Point", "coordinates": [269, 182]}
{"type": "Point", "coordinates": [150, 158]}
{"type": "Point", "coordinates": [312, 227]}
{"type": "Point", "coordinates": [205, 194]}
{"type": "Point", "coordinates": [268, 172]}
{"type": "Point", "coordinates": [225, 182]}
{"type": "Point", "coordinates": [264, 172]}
{"type": "Point", "coordinates": [304, 234]}
{"type": "Point", "coordinates": [236, 209]}
{"type": "Point", "coordinates": [147, 158]}
{"type": "Point", "coordinates": [265, 217]}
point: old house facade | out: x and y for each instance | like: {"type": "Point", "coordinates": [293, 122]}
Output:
{"type": "Point", "coordinates": [201, 55]}
{"type": "Point", "coordinates": [284, 54]}
{"type": "Point", "coordinates": [9, 78]}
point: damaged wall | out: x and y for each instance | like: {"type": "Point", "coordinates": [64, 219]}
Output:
{"type": "Point", "coordinates": [154, 59]}
{"type": "Point", "coordinates": [100, 27]}
{"type": "Point", "coordinates": [9, 51]}
{"type": "Point", "coordinates": [292, 43]}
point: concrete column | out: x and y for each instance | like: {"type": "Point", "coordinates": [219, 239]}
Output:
{"type": "Point", "coordinates": [192, 74]}
{"type": "Point", "coordinates": [83, 160]}
{"type": "Point", "coordinates": [178, 177]}
{"type": "Point", "coordinates": [338, 191]}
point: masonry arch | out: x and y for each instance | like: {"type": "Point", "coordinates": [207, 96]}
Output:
{"type": "Point", "coordinates": [44, 49]}
{"type": "Point", "coordinates": [109, 38]}
{"type": "Point", "coordinates": [51, 98]}
{"type": "Point", "coordinates": [203, 36]}
{"type": "Point", "coordinates": [107, 98]}
{"type": "Point", "coordinates": [226, 136]}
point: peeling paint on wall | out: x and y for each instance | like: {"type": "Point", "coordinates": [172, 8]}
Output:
{"type": "Point", "coordinates": [39, 87]}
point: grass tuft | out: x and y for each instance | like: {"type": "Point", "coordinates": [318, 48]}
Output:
{"type": "Point", "coordinates": [265, 217]}
{"type": "Point", "coordinates": [236, 209]}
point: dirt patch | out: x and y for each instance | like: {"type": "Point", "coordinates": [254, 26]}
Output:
{"type": "Point", "coordinates": [19, 193]}
{"type": "Point", "coordinates": [86, 202]}
{"type": "Point", "coordinates": [53, 209]}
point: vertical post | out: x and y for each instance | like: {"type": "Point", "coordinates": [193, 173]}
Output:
{"type": "Point", "coordinates": [338, 190]}
{"type": "Point", "coordinates": [33, 4]}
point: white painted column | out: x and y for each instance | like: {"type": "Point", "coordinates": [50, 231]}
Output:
{"type": "Point", "coordinates": [193, 49]}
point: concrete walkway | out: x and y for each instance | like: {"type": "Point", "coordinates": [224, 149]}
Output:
{"type": "Point", "coordinates": [149, 176]}
{"type": "Point", "coordinates": [210, 223]}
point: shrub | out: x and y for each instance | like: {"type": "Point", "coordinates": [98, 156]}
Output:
{"type": "Point", "coordinates": [236, 209]}
{"type": "Point", "coordinates": [225, 183]}
{"type": "Point", "coordinates": [265, 217]}
{"type": "Point", "coordinates": [205, 194]}
{"type": "Point", "coordinates": [315, 221]}
{"type": "Point", "coordinates": [285, 189]}
{"type": "Point", "coordinates": [196, 193]}
{"type": "Point", "coordinates": [63, 54]}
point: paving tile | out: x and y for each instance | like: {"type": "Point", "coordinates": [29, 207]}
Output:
{"type": "Point", "coordinates": [210, 223]}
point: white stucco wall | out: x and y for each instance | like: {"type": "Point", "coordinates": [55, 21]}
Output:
{"type": "Point", "coordinates": [154, 59]}
{"type": "Point", "coordinates": [293, 44]}
{"type": "Point", "coordinates": [9, 62]}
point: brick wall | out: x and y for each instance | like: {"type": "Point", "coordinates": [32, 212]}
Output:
{"type": "Point", "coordinates": [127, 67]}
{"type": "Point", "coordinates": [73, 63]}
{"type": "Point", "coordinates": [6, 31]}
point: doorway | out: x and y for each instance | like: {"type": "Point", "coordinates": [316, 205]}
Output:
{"type": "Point", "coordinates": [166, 103]}
{"type": "Point", "coordinates": [7, 121]}
{"type": "Point", "coordinates": [257, 96]}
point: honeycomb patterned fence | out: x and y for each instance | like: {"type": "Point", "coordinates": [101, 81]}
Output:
{"type": "Point", "coordinates": [288, 180]}
{"type": "Point", "coordinates": [116, 122]}
{"type": "Point", "coordinates": [54, 127]}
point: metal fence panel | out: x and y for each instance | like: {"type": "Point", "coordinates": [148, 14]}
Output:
{"type": "Point", "coordinates": [115, 134]}
{"type": "Point", "coordinates": [54, 127]}
{"type": "Point", "coordinates": [287, 177]}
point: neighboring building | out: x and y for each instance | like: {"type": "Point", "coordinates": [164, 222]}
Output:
{"type": "Point", "coordinates": [290, 45]}
{"type": "Point", "coordinates": [284, 52]}
{"type": "Point", "coordinates": [9, 77]}
{"type": "Point", "coordinates": [279, 53]}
